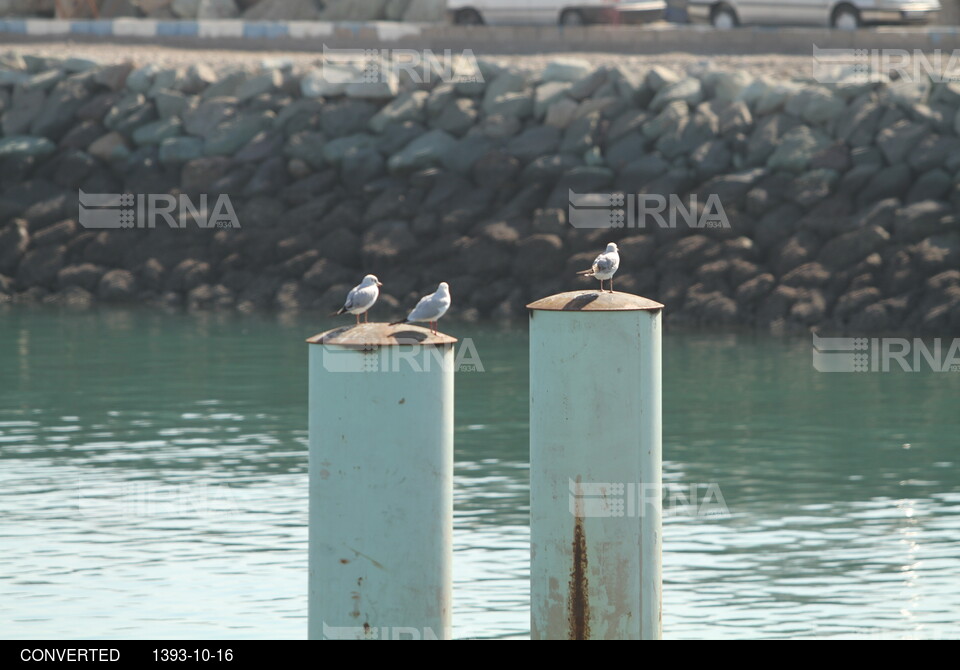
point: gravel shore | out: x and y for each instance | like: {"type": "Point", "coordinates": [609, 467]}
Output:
{"type": "Point", "coordinates": [775, 65]}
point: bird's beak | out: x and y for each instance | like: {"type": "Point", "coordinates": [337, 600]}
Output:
{"type": "Point", "coordinates": [379, 283]}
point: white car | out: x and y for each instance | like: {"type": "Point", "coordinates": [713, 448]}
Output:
{"type": "Point", "coordinates": [843, 14]}
{"type": "Point", "coordinates": [552, 12]}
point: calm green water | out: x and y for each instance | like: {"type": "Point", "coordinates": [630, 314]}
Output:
{"type": "Point", "coordinates": [153, 483]}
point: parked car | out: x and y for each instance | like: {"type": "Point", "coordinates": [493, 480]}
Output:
{"type": "Point", "coordinates": [552, 12]}
{"type": "Point", "coordinates": [843, 14]}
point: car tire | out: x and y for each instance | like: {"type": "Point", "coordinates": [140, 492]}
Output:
{"type": "Point", "coordinates": [571, 18]}
{"type": "Point", "coordinates": [468, 17]}
{"type": "Point", "coordinates": [724, 17]}
{"type": "Point", "coordinates": [845, 17]}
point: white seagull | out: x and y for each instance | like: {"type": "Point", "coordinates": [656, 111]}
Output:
{"type": "Point", "coordinates": [430, 308]}
{"type": "Point", "coordinates": [361, 298]}
{"type": "Point", "coordinates": [605, 266]}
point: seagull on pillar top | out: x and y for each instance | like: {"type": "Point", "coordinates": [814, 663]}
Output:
{"type": "Point", "coordinates": [430, 308]}
{"type": "Point", "coordinates": [361, 298]}
{"type": "Point", "coordinates": [605, 266]}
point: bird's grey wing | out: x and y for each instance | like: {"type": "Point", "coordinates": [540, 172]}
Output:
{"type": "Point", "coordinates": [604, 263]}
{"type": "Point", "coordinates": [424, 309]}
{"type": "Point", "coordinates": [351, 299]}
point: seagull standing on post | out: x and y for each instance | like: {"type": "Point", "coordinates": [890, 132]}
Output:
{"type": "Point", "coordinates": [361, 298]}
{"type": "Point", "coordinates": [605, 266]}
{"type": "Point", "coordinates": [430, 308]}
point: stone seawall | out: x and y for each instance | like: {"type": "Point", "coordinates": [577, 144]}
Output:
{"type": "Point", "coordinates": [827, 205]}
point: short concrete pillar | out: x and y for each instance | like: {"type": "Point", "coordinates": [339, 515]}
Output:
{"type": "Point", "coordinates": [381, 483]}
{"type": "Point", "coordinates": [595, 467]}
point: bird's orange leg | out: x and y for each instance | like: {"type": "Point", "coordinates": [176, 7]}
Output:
{"type": "Point", "coordinates": [611, 284]}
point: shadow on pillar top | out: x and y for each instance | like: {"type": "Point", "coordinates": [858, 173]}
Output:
{"type": "Point", "coordinates": [595, 301]}
{"type": "Point", "coordinates": [380, 335]}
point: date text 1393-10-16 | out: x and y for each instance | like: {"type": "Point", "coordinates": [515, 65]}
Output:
{"type": "Point", "coordinates": [183, 655]}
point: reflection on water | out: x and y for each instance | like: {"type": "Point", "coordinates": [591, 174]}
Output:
{"type": "Point", "coordinates": [153, 482]}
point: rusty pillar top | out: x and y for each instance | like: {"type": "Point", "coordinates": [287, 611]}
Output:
{"type": "Point", "coordinates": [595, 301]}
{"type": "Point", "coordinates": [380, 335]}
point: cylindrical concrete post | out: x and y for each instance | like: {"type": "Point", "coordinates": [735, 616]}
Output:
{"type": "Point", "coordinates": [595, 467]}
{"type": "Point", "coordinates": [381, 483]}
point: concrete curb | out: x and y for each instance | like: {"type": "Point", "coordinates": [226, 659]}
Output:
{"type": "Point", "coordinates": [654, 38]}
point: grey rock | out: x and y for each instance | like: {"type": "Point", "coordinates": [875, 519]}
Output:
{"type": "Point", "coordinates": [410, 106]}
{"type": "Point", "coordinates": [566, 69]}
{"type": "Point", "coordinates": [519, 105]}
{"type": "Point", "coordinates": [210, 114]}
{"type": "Point", "coordinates": [21, 146]}
{"type": "Point", "coordinates": [534, 142]}
{"type": "Point", "coordinates": [229, 137]}
{"type": "Point", "coordinates": [176, 150]}
{"type": "Point", "coordinates": [797, 148]}
{"type": "Point", "coordinates": [897, 141]}
{"type": "Point", "coordinates": [686, 90]}
{"type": "Point", "coordinates": [157, 132]}
{"type": "Point", "coordinates": [547, 94]}
{"type": "Point", "coordinates": [459, 117]}
{"type": "Point", "coordinates": [307, 146]}
{"type": "Point", "coordinates": [170, 103]}
{"type": "Point", "coordinates": [429, 149]}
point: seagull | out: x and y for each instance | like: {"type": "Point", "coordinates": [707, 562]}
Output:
{"type": "Point", "coordinates": [430, 308]}
{"type": "Point", "coordinates": [605, 266]}
{"type": "Point", "coordinates": [361, 298]}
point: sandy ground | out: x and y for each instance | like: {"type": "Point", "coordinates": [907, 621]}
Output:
{"type": "Point", "coordinates": [171, 56]}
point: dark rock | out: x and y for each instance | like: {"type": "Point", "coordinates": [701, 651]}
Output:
{"type": "Point", "coordinates": [890, 182]}
{"type": "Point", "coordinates": [40, 267]}
{"type": "Point", "coordinates": [534, 142]}
{"type": "Point", "coordinates": [932, 185]}
{"type": "Point", "coordinates": [922, 219]}
{"type": "Point", "coordinates": [752, 290]}
{"type": "Point", "coordinates": [852, 247]}
{"type": "Point", "coordinates": [539, 256]}
{"type": "Point", "coordinates": [86, 276]}
{"type": "Point", "coordinates": [59, 233]}
{"type": "Point", "coordinates": [14, 241]}
{"type": "Point", "coordinates": [798, 250]}
{"type": "Point", "coordinates": [496, 170]}
{"type": "Point", "coordinates": [117, 286]}
{"type": "Point", "coordinates": [386, 243]}
{"type": "Point", "coordinates": [188, 275]}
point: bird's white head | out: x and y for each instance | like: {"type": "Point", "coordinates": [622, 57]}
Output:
{"type": "Point", "coordinates": [611, 248]}
{"type": "Point", "coordinates": [444, 287]}
{"type": "Point", "coordinates": [371, 280]}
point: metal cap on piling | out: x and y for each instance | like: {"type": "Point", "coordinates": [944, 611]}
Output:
{"type": "Point", "coordinates": [593, 301]}
{"type": "Point", "coordinates": [380, 335]}
{"type": "Point", "coordinates": [595, 466]}
{"type": "Point", "coordinates": [381, 483]}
